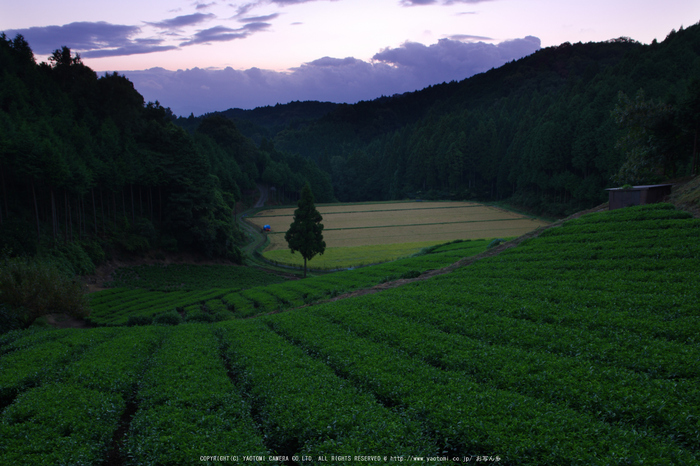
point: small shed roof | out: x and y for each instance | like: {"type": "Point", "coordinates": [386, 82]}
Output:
{"type": "Point", "coordinates": [645, 186]}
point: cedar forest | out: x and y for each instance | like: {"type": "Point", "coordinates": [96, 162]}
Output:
{"type": "Point", "coordinates": [88, 167]}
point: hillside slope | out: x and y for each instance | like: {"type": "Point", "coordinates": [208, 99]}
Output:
{"type": "Point", "coordinates": [576, 347]}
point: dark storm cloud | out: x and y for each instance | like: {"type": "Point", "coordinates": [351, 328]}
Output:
{"type": "Point", "coordinates": [184, 20]}
{"type": "Point", "coordinates": [225, 34]}
{"type": "Point", "coordinates": [407, 68]}
{"type": "Point", "coordinates": [77, 36]}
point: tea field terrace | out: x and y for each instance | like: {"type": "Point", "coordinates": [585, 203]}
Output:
{"type": "Point", "coordinates": [579, 346]}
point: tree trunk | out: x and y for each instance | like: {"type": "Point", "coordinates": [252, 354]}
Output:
{"type": "Point", "coordinates": [4, 193]}
{"type": "Point", "coordinates": [69, 218]}
{"type": "Point", "coordinates": [102, 206]}
{"type": "Point", "coordinates": [54, 218]}
{"type": "Point", "coordinates": [36, 211]}
{"type": "Point", "coordinates": [65, 198]}
{"type": "Point", "coordinates": [304, 267]}
{"type": "Point", "coordinates": [133, 213]}
{"type": "Point", "coordinates": [79, 214]}
{"type": "Point", "coordinates": [693, 171]}
{"type": "Point", "coordinates": [94, 209]}
{"type": "Point", "coordinates": [124, 204]}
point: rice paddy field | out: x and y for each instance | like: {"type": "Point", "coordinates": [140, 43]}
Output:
{"type": "Point", "coordinates": [361, 234]}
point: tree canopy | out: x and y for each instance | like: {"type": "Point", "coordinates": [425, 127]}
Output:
{"type": "Point", "coordinates": [305, 234]}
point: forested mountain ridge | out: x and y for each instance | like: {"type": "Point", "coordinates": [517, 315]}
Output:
{"type": "Point", "coordinates": [87, 167]}
{"type": "Point", "coordinates": [540, 131]}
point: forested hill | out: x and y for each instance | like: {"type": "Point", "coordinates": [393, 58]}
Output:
{"type": "Point", "coordinates": [540, 131]}
{"type": "Point", "coordinates": [87, 167]}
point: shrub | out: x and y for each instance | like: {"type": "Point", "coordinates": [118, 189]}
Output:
{"type": "Point", "coordinates": [94, 250]}
{"type": "Point", "coordinates": [168, 243]}
{"type": "Point", "coordinates": [70, 258]}
{"type": "Point", "coordinates": [9, 319]}
{"type": "Point", "coordinates": [168, 318]}
{"type": "Point", "coordinates": [16, 236]}
{"type": "Point", "coordinates": [495, 243]}
{"type": "Point", "coordinates": [222, 315]}
{"type": "Point", "coordinates": [134, 321]}
{"type": "Point", "coordinates": [199, 316]}
{"type": "Point", "coordinates": [32, 288]}
{"type": "Point", "coordinates": [411, 274]}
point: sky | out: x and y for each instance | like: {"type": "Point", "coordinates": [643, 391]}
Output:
{"type": "Point", "coordinates": [211, 55]}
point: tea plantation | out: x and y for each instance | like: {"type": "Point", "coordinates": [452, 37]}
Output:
{"type": "Point", "coordinates": [578, 347]}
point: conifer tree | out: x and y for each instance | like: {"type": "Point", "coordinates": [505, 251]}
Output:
{"type": "Point", "coordinates": [305, 234]}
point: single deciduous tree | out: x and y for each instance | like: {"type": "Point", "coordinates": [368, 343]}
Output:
{"type": "Point", "coordinates": [305, 234]}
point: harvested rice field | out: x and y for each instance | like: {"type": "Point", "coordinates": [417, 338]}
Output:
{"type": "Point", "coordinates": [358, 226]}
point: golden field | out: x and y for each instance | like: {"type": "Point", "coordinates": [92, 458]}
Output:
{"type": "Point", "coordinates": [351, 225]}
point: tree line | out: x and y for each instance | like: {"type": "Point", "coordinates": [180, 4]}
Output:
{"type": "Point", "coordinates": [88, 167]}
{"type": "Point", "coordinates": [549, 131]}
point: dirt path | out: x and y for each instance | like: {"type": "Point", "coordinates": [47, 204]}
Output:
{"type": "Point", "coordinates": [263, 197]}
{"type": "Point", "coordinates": [66, 321]}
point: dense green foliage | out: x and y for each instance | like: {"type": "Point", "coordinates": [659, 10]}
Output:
{"type": "Point", "coordinates": [579, 346]}
{"type": "Point", "coordinates": [30, 288]}
{"type": "Point", "coordinates": [85, 162]}
{"type": "Point", "coordinates": [84, 157]}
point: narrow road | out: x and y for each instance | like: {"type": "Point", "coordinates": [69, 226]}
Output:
{"type": "Point", "coordinates": [263, 197]}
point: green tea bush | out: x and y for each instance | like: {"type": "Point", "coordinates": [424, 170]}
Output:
{"type": "Point", "coordinates": [411, 274]}
{"type": "Point", "coordinates": [168, 318]}
{"type": "Point", "coordinates": [199, 316]}
{"type": "Point", "coordinates": [33, 288]}
{"type": "Point", "coordinates": [135, 321]}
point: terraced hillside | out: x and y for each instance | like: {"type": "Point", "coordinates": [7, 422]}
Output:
{"type": "Point", "coordinates": [213, 293]}
{"type": "Point", "coordinates": [579, 346]}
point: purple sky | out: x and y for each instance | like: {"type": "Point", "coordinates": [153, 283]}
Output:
{"type": "Point", "coordinates": [206, 56]}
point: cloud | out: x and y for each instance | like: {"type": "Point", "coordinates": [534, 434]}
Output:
{"type": "Point", "coordinates": [466, 37]}
{"type": "Point", "coordinates": [454, 60]}
{"type": "Point", "coordinates": [258, 19]}
{"type": "Point", "coordinates": [77, 36]}
{"type": "Point", "coordinates": [224, 34]}
{"type": "Point", "coordinates": [291, 2]}
{"type": "Point", "coordinates": [406, 68]}
{"type": "Point", "coordinates": [242, 10]}
{"type": "Point", "coordinates": [441, 2]}
{"type": "Point", "coordinates": [203, 6]}
{"type": "Point", "coordinates": [184, 20]}
{"type": "Point", "coordinates": [134, 49]}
